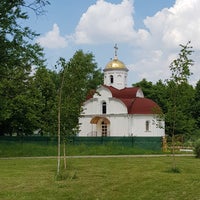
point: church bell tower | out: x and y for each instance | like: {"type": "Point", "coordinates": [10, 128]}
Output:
{"type": "Point", "coordinates": [115, 73]}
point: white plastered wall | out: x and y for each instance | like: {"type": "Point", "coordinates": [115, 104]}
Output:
{"type": "Point", "coordinates": [138, 126]}
{"type": "Point", "coordinates": [119, 77]}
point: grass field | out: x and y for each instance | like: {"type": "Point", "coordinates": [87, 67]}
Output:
{"type": "Point", "coordinates": [100, 179]}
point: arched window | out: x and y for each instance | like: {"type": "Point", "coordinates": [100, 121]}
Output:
{"type": "Point", "coordinates": [147, 125]}
{"type": "Point", "coordinates": [111, 79]}
{"type": "Point", "coordinates": [104, 108]}
{"type": "Point", "coordinates": [119, 76]}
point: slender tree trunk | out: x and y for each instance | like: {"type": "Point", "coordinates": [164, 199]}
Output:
{"type": "Point", "coordinates": [59, 124]}
{"type": "Point", "coordinates": [173, 152]}
{"type": "Point", "coordinates": [64, 154]}
{"type": "Point", "coordinates": [59, 110]}
{"type": "Point", "coordinates": [173, 132]}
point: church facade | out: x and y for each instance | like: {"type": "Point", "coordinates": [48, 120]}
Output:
{"type": "Point", "coordinates": [117, 110]}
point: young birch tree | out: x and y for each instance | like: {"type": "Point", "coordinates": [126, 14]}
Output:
{"type": "Point", "coordinates": [180, 72]}
{"type": "Point", "coordinates": [79, 76]}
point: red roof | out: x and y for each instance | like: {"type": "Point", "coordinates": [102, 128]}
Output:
{"type": "Point", "coordinates": [134, 104]}
{"type": "Point", "coordinates": [144, 106]}
{"type": "Point", "coordinates": [126, 93]}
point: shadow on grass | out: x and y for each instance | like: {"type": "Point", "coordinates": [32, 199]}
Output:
{"type": "Point", "coordinates": [66, 175]}
{"type": "Point", "coordinates": [174, 170]}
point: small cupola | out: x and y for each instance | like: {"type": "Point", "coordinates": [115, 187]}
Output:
{"type": "Point", "coordinates": [115, 72]}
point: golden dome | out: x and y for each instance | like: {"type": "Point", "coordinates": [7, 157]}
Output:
{"type": "Point", "coordinates": [115, 64]}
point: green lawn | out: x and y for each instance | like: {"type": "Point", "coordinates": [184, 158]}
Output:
{"type": "Point", "coordinates": [100, 179]}
{"type": "Point", "coordinates": [17, 149]}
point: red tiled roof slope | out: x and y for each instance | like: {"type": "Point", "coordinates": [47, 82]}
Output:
{"type": "Point", "coordinates": [134, 104]}
{"type": "Point", "coordinates": [144, 106]}
{"type": "Point", "coordinates": [126, 93]}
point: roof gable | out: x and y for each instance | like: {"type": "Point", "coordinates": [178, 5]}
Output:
{"type": "Point", "coordinates": [126, 93]}
{"type": "Point", "coordinates": [133, 99]}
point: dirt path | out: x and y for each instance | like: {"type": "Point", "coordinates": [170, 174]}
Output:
{"type": "Point", "coordinates": [100, 156]}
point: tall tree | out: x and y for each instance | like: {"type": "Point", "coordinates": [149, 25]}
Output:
{"type": "Point", "coordinates": [18, 55]}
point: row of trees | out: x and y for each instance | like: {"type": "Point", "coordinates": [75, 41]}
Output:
{"type": "Point", "coordinates": [31, 100]}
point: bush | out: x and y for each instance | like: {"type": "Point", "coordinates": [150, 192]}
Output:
{"type": "Point", "coordinates": [197, 148]}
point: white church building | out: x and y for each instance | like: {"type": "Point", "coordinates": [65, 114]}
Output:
{"type": "Point", "coordinates": [117, 110]}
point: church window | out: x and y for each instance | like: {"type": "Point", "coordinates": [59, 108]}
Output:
{"type": "Point", "coordinates": [104, 108]}
{"type": "Point", "coordinates": [111, 79]}
{"type": "Point", "coordinates": [159, 125]}
{"type": "Point", "coordinates": [104, 129]}
{"type": "Point", "coordinates": [147, 125]}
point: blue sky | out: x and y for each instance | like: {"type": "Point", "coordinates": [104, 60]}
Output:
{"type": "Point", "coordinates": [148, 33]}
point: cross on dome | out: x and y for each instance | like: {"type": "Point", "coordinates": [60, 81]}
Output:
{"type": "Point", "coordinates": [115, 64]}
{"type": "Point", "coordinates": [116, 48]}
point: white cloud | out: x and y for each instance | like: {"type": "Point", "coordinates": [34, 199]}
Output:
{"type": "Point", "coordinates": [165, 31]}
{"type": "Point", "coordinates": [105, 22]}
{"type": "Point", "coordinates": [176, 25]}
{"type": "Point", "coordinates": [52, 39]}
{"type": "Point", "coordinates": [152, 65]}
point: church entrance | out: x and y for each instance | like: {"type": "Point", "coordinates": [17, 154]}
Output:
{"type": "Point", "coordinates": [101, 126]}
{"type": "Point", "coordinates": [104, 129]}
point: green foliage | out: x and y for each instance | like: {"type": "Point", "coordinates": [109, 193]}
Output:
{"type": "Point", "coordinates": [180, 93]}
{"type": "Point", "coordinates": [46, 94]}
{"type": "Point", "coordinates": [156, 92]}
{"type": "Point", "coordinates": [180, 67]}
{"type": "Point", "coordinates": [197, 148]}
{"type": "Point", "coordinates": [18, 55]}
{"type": "Point", "coordinates": [179, 112]}
{"type": "Point", "coordinates": [196, 105]}
{"type": "Point", "coordinates": [18, 107]}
